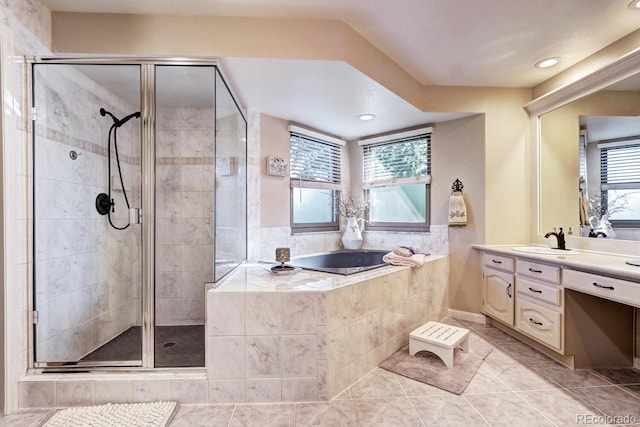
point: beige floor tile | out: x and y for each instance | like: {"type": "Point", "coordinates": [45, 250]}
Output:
{"type": "Point", "coordinates": [507, 409]}
{"type": "Point", "coordinates": [412, 387]}
{"type": "Point", "coordinates": [396, 411]}
{"type": "Point", "coordinates": [337, 413]}
{"type": "Point", "coordinates": [451, 410]}
{"type": "Point", "coordinates": [378, 383]}
{"type": "Point", "coordinates": [263, 415]}
{"type": "Point", "coordinates": [519, 377]}
{"type": "Point", "coordinates": [610, 400]}
{"type": "Point", "coordinates": [26, 417]}
{"type": "Point", "coordinates": [485, 382]}
{"type": "Point", "coordinates": [566, 377]}
{"type": "Point", "coordinates": [619, 375]}
{"type": "Point", "coordinates": [561, 407]}
{"type": "Point", "coordinates": [202, 415]}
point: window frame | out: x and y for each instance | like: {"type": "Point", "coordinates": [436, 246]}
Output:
{"type": "Point", "coordinates": [396, 138]}
{"type": "Point", "coordinates": [605, 186]}
{"type": "Point", "coordinates": [422, 227]}
{"type": "Point", "coordinates": [311, 227]}
{"type": "Point", "coordinates": [297, 182]}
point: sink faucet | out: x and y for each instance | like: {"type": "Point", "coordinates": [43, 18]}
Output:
{"type": "Point", "coordinates": [559, 237]}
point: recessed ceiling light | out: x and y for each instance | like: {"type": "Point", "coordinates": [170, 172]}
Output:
{"type": "Point", "coordinates": [548, 62]}
{"type": "Point", "coordinates": [366, 117]}
{"type": "Point", "coordinates": [634, 5]}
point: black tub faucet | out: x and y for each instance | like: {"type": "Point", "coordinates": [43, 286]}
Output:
{"type": "Point", "coordinates": [559, 237]}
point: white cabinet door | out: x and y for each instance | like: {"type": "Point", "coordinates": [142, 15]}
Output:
{"type": "Point", "coordinates": [498, 295]}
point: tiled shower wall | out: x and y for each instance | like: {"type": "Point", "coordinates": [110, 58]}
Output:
{"type": "Point", "coordinates": [184, 211]}
{"type": "Point", "coordinates": [87, 274]}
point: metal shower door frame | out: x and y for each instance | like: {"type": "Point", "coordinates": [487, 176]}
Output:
{"type": "Point", "coordinates": [148, 198]}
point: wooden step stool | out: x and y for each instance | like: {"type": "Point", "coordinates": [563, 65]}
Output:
{"type": "Point", "coordinates": [440, 339]}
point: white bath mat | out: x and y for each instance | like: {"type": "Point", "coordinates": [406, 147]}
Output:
{"type": "Point", "coordinates": [152, 414]}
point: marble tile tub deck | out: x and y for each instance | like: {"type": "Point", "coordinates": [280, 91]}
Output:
{"type": "Point", "coordinates": [308, 336]}
{"type": "Point", "coordinates": [515, 386]}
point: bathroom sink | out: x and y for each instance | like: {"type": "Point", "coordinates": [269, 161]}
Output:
{"type": "Point", "coordinates": [542, 250]}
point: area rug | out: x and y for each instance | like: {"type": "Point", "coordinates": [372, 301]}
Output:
{"type": "Point", "coordinates": [428, 368]}
{"type": "Point", "coordinates": [152, 414]}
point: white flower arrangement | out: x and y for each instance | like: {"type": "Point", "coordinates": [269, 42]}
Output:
{"type": "Point", "coordinates": [348, 206]}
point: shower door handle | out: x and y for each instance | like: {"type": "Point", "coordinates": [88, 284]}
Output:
{"type": "Point", "coordinates": [135, 215]}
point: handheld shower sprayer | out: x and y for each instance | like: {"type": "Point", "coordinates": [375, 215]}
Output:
{"type": "Point", "coordinates": [104, 203]}
{"type": "Point", "coordinates": [104, 112]}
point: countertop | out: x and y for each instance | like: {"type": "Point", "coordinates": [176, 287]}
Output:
{"type": "Point", "coordinates": [256, 277]}
{"type": "Point", "coordinates": [597, 262]}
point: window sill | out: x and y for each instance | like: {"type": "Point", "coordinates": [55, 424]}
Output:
{"type": "Point", "coordinates": [404, 231]}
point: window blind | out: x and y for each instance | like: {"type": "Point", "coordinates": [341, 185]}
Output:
{"type": "Point", "coordinates": [314, 163]}
{"type": "Point", "coordinates": [402, 161]}
{"type": "Point", "coordinates": [620, 165]}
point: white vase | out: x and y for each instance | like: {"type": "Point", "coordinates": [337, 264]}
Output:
{"type": "Point", "coordinates": [352, 236]}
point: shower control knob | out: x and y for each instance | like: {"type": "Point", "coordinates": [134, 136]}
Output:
{"type": "Point", "coordinates": [103, 204]}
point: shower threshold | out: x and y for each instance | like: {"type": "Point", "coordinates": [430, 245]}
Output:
{"type": "Point", "coordinates": [175, 346]}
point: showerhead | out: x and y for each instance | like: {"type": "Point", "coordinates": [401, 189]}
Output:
{"type": "Point", "coordinates": [117, 123]}
{"type": "Point", "coordinates": [104, 112]}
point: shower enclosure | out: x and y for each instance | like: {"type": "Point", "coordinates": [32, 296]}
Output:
{"type": "Point", "coordinates": [139, 201]}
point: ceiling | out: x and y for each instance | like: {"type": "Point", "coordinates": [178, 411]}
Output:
{"type": "Point", "coordinates": [491, 43]}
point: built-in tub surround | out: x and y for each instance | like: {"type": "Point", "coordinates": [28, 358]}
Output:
{"type": "Point", "coordinates": [309, 335]}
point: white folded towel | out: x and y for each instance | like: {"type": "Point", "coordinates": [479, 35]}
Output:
{"type": "Point", "coordinates": [413, 261]}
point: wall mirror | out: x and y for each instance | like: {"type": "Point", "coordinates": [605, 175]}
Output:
{"type": "Point", "coordinates": [589, 159]}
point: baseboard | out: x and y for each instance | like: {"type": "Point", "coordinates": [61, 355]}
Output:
{"type": "Point", "coordinates": [467, 315]}
{"type": "Point", "coordinates": [636, 362]}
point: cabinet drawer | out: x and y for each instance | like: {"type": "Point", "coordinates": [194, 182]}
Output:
{"type": "Point", "coordinates": [539, 291]}
{"type": "Point", "coordinates": [539, 322]}
{"type": "Point", "coordinates": [539, 271]}
{"type": "Point", "coordinates": [498, 261]}
{"type": "Point", "coordinates": [619, 290]}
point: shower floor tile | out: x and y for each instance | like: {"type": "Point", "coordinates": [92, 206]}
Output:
{"type": "Point", "coordinates": [175, 346]}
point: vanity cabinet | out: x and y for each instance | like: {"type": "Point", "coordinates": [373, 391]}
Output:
{"type": "Point", "coordinates": [498, 287]}
{"type": "Point", "coordinates": [618, 290]}
{"type": "Point", "coordinates": [574, 313]}
{"type": "Point", "coordinates": [539, 304]}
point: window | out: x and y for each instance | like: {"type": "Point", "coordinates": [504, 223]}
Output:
{"type": "Point", "coordinates": [620, 181]}
{"type": "Point", "coordinates": [397, 174]}
{"type": "Point", "coordinates": [315, 180]}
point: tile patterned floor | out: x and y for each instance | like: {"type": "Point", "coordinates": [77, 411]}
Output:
{"type": "Point", "coordinates": [515, 386]}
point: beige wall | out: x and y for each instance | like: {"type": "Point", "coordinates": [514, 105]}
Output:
{"type": "Point", "coordinates": [229, 36]}
{"type": "Point", "coordinates": [458, 152]}
{"type": "Point", "coordinates": [274, 190]}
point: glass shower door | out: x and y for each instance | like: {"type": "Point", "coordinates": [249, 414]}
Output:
{"type": "Point", "coordinates": [86, 235]}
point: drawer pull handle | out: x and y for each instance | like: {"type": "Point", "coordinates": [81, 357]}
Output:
{"type": "Point", "coordinates": [597, 285]}
{"type": "Point", "coordinates": [534, 270]}
{"type": "Point", "coordinates": [535, 322]}
{"type": "Point", "coordinates": [495, 261]}
{"type": "Point", "coordinates": [537, 291]}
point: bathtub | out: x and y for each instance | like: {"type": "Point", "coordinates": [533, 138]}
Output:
{"type": "Point", "coordinates": [341, 262]}
{"type": "Point", "coordinates": [310, 335]}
